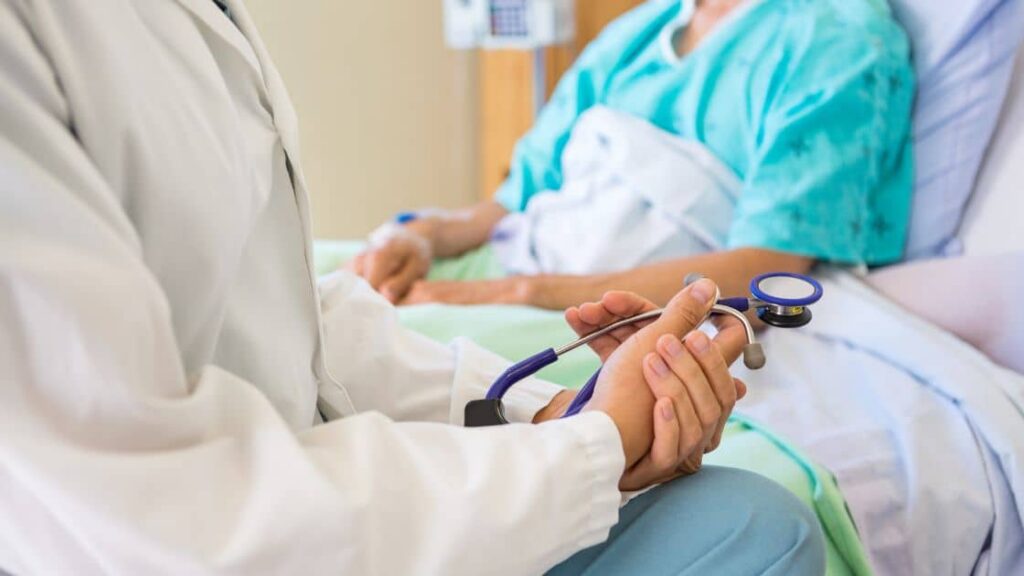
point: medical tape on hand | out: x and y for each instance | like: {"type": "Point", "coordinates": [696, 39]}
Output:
{"type": "Point", "coordinates": [390, 231]}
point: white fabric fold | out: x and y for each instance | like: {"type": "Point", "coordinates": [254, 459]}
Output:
{"type": "Point", "coordinates": [632, 194]}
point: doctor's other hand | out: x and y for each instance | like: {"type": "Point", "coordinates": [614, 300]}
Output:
{"type": "Point", "coordinates": [392, 264]}
{"type": "Point", "coordinates": [613, 306]}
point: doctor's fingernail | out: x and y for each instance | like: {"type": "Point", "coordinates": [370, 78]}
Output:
{"type": "Point", "coordinates": [698, 342]}
{"type": "Point", "coordinates": [658, 365]}
{"type": "Point", "coordinates": [703, 291]}
{"type": "Point", "coordinates": [674, 347]}
{"type": "Point", "coordinates": [667, 411]}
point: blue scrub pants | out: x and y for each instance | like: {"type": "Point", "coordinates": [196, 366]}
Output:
{"type": "Point", "coordinates": [719, 521]}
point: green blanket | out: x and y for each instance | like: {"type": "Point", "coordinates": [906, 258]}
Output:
{"type": "Point", "coordinates": [517, 332]}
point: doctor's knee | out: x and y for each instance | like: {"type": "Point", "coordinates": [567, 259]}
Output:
{"type": "Point", "coordinates": [766, 529]}
{"type": "Point", "coordinates": [784, 532]}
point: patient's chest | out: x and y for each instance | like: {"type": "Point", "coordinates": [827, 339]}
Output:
{"type": "Point", "coordinates": [716, 94]}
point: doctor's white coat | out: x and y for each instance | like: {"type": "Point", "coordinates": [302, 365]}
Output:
{"type": "Point", "coordinates": [164, 343]}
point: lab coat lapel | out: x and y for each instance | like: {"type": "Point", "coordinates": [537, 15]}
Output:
{"type": "Point", "coordinates": [284, 114]}
{"type": "Point", "coordinates": [335, 400]}
{"type": "Point", "coordinates": [206, 12]}
{"type": "Point", "coordinates": [285, 118]}
{"type": "Point", "coordinates": [243, 37]}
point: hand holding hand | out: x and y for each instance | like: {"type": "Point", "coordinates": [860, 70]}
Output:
{"type": "Point", "coordinates": [695, 396]}
{"type": "Point", "coordinates": [622, 390]}
{"type": "Point", "coordinates": [662, 426]}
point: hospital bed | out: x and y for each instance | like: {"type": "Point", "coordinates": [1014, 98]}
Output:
{"type": "Point", "coordinates": [906, 440]}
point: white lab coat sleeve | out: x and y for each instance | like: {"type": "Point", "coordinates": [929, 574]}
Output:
{"type": "Point", "coordinates": [113, 462]}
{"type": "Point", "coordinates": [413, 377]}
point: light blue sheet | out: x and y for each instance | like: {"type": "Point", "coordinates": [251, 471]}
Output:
{"type": "Point", "coordinates": [807, 101]}
{"type": "Point", "coordinates": [924, 434]}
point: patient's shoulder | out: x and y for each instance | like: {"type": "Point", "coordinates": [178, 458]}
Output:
{"type": "Point", "coordinates": [825, 41]}
{"type": "Point", "coordinates": [836, 25]}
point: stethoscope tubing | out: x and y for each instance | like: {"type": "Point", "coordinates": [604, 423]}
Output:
{"type": "Point", "coordinates": [587, 392]}
{"type": "Point", "coordinates": [530, 366]}
{"type": "Point", "coordinates": [765, 304]}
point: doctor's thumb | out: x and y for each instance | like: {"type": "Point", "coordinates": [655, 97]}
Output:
{"type": "Point", "coordinates": [688, 309]}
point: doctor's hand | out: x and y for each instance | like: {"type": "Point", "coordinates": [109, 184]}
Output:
{"type": "Point", "coordinates": [393, 264]}
{"type": "Point", "coordinates": [614, 306]}
{"type": "Point", "coordinates": [695, 395]}
{"type": "Point", "coordinates": [633, 390]}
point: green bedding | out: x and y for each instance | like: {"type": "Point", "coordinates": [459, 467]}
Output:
{"type": "Point", "coordinates": [516, 332]}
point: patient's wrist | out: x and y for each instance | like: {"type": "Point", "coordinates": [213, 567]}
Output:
{"type": "Point", "coordinates": [426, 228]}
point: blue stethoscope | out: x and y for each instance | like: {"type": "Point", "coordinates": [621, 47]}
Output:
{"type": "Point", "coordinates": [780, 299]}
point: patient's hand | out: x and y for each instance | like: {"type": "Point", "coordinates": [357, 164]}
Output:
{"type": "Point", "coordinates": [392, 266]}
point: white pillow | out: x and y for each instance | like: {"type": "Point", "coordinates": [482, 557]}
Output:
{"type": "Point", "coordinates": [995, 215]}
{"type": "Point", "coordinates": [963, 55]}
{"type": "Point", "coordinates": [975, 297]}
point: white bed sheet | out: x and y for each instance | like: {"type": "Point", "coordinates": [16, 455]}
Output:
{"type": "Point", "coordinates": [924, 434]}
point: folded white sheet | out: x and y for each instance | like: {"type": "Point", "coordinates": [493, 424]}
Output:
{"type": "Point", "coordinates": [633, 194]}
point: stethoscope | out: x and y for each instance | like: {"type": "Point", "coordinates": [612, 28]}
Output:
{"type": "Point", "coordinates": [780, 299]}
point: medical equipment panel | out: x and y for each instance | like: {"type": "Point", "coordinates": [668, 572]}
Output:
{"type": "Point", "coordinates": [500, 24]}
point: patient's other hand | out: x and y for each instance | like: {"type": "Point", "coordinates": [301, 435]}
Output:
{"type": "Point", "coordinates": [394, 264]}
{"type": "Point", "coordinates": [614, 306]}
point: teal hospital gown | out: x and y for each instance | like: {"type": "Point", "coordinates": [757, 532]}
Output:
{"type": "Point", "coordinates": [807, 101]}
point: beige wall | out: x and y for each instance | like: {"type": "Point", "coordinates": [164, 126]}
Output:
{"type": "Point", "coordinates": [387, 112]}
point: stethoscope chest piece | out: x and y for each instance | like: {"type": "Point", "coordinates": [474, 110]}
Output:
{"type": "Point", "coordinates": [791, 318]}
{"type": "Point", "coordinates": [782, 299]}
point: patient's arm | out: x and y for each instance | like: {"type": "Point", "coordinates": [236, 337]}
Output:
{"type": "Point", "coordinates": [731, 270]}
{"type": "Point", "coordinates": [456, 232]}
{"type": "Point", "coordinates": [400, 255]}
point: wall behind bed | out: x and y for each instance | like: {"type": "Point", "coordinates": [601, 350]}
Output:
{"type": "Point", "coordinates": [387, 112]}
{"type": "Point", "coordinates": [392, 119]}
